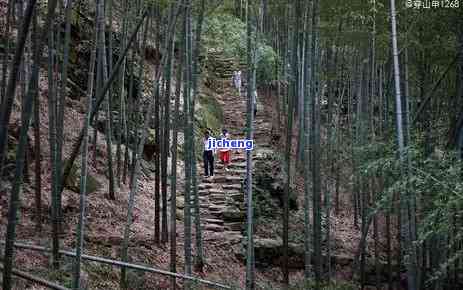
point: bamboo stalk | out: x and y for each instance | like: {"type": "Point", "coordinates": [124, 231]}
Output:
{"type": "Point", "coordinates": [122, 264]}
{"type": "Point", "coordinates": [35, 279]}
{"type": "Point", "coordinates": [100, 98]}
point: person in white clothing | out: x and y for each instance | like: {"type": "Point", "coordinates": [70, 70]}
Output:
{"type": "Point", "coordinates": [237, 81]}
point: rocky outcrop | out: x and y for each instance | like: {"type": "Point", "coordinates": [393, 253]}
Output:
{"type": "Point", "coordinates": [150, 147]}
{"type": "Point", "coordinates": [73, 181]}
{"type": "Point", "coordinates": [269, 252]}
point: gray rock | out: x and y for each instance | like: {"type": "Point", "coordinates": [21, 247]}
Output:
{"type": "Point", "coordinates": [179, 214]}
{"type": "Point", "coordinates": [180, 202]}
{"type": "Point", "coordinates": [213, 228]}
{"type": "Point", "coordinates": [232, 213]}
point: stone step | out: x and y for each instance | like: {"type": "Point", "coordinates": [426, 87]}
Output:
{"type": "Point", "coordinates": [226, 237]}
{"type": "Point", "coordinates": [233, 214]}
{"type": "Point", "coordinates": [202, 213]}
{"type": "Point", "coordinates": [221, 170]}
{"type": "Point", "coordinates": [204, 205]}
{"type": "Point", "coordinates": [203, 186]}
{"type": "Point", "coordinates": [216, 208]}
{"type": "Point", "coordinates": [224, 75]}
{"type": "Point", "coordinates": [237, 171]}
{"type": "Point", "coordinates": [203, 192]}
{"type": "Point", "coordinates": [202, 209]}
{"type": "Point", "coordinates": [233, 179]}
{"type": "Point", "coordinates": [219, 178]}
{"type": "Point", "coordinates": [214, 221]}
{"type": "Point", "coordinates": [238, 204]}
{"type": "Point", "coordinates": [208, 180]}
{"type": "Point", "coordinates": [218, 203]}
{"type": "Point", "coordinates": [223, 69]}
{"type": "Point", "coordinates": [216, 191]}
{"type": "Point", "coordinates": [237, 197]}
{"type": "Point", "coordinates": [237, 165]}
{"type": "Point", "coordinates": [232, 186]}
{"type": "Point", "coordinates": [223, 72]}
{"type": "Point", "coordinates": [233, 191]}
{"type": "Point", "coordinates": [215, 214]}
{"type": "Point", "coordinates": [231, 172]}
{"type": "Point", "coordinates": [213, 228]}
{"type": "Point", "coordinates": [223, 65]}
{"type": "Point", "coordinates": [233, 237]}
{"type": "Point", "coordinates": [240, 159]}
{"type": "Point", "coordinates": [208, 216]}
{"type": "Point", "coordinates": [216, 197]}
{"type": "Point", "coordinates": [236, 125]}
{"type": "Point", "coordinates": [234, 227]}
{"type": "Point", "coordinates": [202, 197]}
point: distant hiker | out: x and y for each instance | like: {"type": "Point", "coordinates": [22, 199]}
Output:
{"type": "Point", "coordinates": [233, 78]}
{"type": "Point", "coordinates": [237, 81]}
{"type": "Point", "coordinates": [208, 156]}
{"type": "Point", "coordinates": [254, 102]}
{"type": "Point", "coordinates": [224, 153]}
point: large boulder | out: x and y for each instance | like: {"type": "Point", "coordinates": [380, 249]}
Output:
{"type": "Point", "coordinates": [147, 168]}
{"type": "Point", "coordinates": [266, 251]}
{"type": "Point", "coordinates": [179, 214]}
{"type": "Point", "coordinates": [233, 214]}
{"type": "Point", "coordinates": [180, 202]}
{"type": "Point", "coordinates": [269, 251]}
{"type": "Point", "coordinates": [73, 181]}
{"type": "Point", "coordinates": [269, 187]}
{"type": "Point", "coordinates": [150, 147]}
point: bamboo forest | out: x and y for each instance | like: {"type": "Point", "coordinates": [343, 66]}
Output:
{"type": "Point", "coordinates": [231, 144]}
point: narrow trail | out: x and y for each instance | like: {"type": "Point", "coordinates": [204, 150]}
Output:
{"type": "Point", "coordinates": [222, 200]}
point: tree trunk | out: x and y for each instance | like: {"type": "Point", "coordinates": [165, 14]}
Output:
{"type": "Point", "coordinates": [122, 124]}
{"type": "Point", "coordinates": [100, 98]}
{"type": "Point", "coordinates": [37, 143]}
{"type": "Point", "coordinates": [407, 247]}
{"type": "Point", "coordinates": [7, 100]}
{"type": "Point", "coordinates": [250, 51]}
{"type": "Point", "coordinates": [166, 127]}
{"type": "Point", "coordinates": [187, 91]}
{"type": "Point", "coordinates": [173, 187]}
{"type": "Point", "coordinates": [315, 143]}
{"type": "Point", "coordinates": [6, 43]}
{"type": "Point", "coordinates": [134, 182]}
{"type": "Point", "coordinates": [62, 104]}
{"type": "Point", "coordinates": [52, 143]}
{"type": "Point", "coordinates": [84, 160]}
{"type": "Point", "coordinates": [199, 258]}
{"type": "Point", "coordinates": [21, 151]}
{"type": "Point", "coordinates": [307, 148]}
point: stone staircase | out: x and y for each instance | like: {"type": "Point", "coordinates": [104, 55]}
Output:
{"type": "Point", "coordinates": [222, 69]}
{"type": "Point", "coordinates": [221, 198]}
